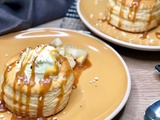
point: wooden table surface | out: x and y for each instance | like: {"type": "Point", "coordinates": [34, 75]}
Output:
{"type": "Point", "coordinates": [145, 88]}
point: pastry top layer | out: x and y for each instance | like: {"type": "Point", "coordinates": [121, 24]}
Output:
{"type": "Point", "coordinates": [36, 69]}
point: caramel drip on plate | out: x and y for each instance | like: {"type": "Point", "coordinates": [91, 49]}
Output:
{"type": "Point", "coordinates": [78, 69]}
{"type": "Point", "coordinates": [158, 35]}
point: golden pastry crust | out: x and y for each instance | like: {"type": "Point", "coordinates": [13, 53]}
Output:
{"type": "Point", "coordinates": [44, 98]}
{"type": "Point", "coordinates": [134, 15]}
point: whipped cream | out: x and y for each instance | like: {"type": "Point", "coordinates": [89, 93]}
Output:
{"type": "Point", "coordinates": [40, 62]}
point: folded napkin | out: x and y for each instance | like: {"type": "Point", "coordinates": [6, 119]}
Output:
{"type": "Point", "coordinates": [18, 15]}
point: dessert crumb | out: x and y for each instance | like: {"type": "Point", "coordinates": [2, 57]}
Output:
{"type": "Point", "coordinates": [64, 112]}
{"type": "Point", "coordinates": [9, 67]}
{"type": "Point", "coordinates": [8, 112]}
{"type": "Point", "coordinates": [91, 82]}
{"type": "Point", "coordinates": [55, 118]}
{"type": "Point", "coordinates": [82, 91]}
{"type": "Point", "coordinates": [6, 55]}
{"type": "Point", "coordinates": [4, 119]}
{"type": "Point", "coordinates": [94, 80]}
{"type": "Point", "coordinates": [1, 116]}
{"type": "Point", "coordinates": [73, 86]}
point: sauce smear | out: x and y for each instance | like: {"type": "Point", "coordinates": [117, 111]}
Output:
{"type": "Point", "coordinates": [78, 69]}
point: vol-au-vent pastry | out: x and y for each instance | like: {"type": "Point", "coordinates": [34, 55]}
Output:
{"type": "Point", "coordinates": [133, 15]}
{"type": "Point", "coordinates": [38, 81]}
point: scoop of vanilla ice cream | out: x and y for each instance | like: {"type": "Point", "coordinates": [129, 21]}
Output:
{"type": "Point", "coordinates": [38, 61]}
{"type": "Point", "coordinates": [43, 60]}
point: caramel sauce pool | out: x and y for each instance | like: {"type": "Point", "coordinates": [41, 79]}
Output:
{"type": "Point", "coordinates": [44, 87]}
{"type": "Point", "coordinates": [78, 69]}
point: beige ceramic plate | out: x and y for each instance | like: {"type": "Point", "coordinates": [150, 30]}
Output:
{"type": "Point", "coordinates": [90, 11]}
{"type": "Point", "coordinates": [99, 100]}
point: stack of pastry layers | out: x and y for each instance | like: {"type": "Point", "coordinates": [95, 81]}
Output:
{"type": "Point", "coordinates": [134, 15]}
{"type": "Point", "coordinates": [38, 81]}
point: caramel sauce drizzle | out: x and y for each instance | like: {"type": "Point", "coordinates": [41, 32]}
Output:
{"type": "Point", "coordinates": [121, 13]}
{"type": "Point", "coordinates": [132, 14]}
{"type": "Point", "coordinates": [32, 83]}
{"type": "Point", "coordinates": [133, 10]}
{"type": "Point", "coordinates": [109, 19]}
{"type": "Point", "coordinates": [151, 17]}
{"type": "Point", "coordinates": [45, 85]}
{"type": "Point", "coordinates": [20, 76]}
